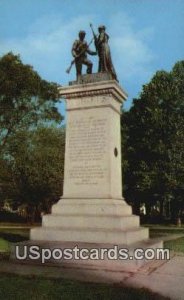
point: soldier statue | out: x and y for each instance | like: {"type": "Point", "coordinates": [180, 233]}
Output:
{"type": "Point", "coordinates": [79, 51]}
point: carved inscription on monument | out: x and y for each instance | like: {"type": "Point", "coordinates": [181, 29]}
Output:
{"type": "Point", "coordinates": [88, 101]}
{"type": "Point", "coordinates": [86, 149]}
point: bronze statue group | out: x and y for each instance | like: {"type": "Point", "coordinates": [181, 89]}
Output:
{"type": "Point", "coordinates": [80, 49]}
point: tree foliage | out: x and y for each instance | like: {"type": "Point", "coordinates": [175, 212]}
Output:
{"type": "Point", "coordinates": [34, 169]}
{"type": "Point", "coordinates": [154, 134]}
{"type": "Point", "coordinates": [31, 145]}
{"type": "Point", "coordinates": [25, 98]}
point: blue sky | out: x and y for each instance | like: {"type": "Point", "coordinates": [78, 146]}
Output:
{"type": "Point", "coordinates": [145, 36]}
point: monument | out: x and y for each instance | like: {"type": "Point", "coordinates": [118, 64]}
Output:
{"type": "Point", "coordinates": [92, 208]}
{"type": "Point", "coordinates": [92, 211]}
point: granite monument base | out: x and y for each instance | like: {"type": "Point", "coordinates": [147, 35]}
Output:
{"type": "Point", "coordinates": [92, 212]}
{"type": "Point", "coordinates": [92, 221]}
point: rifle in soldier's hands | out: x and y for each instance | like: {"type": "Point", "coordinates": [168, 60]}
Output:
{"type": "Point", "coordinates": [73, 61]}
{"type": "Point", "coordinates": [94, 36]}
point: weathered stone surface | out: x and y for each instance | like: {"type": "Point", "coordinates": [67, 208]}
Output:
{"type": "Point", "coordinates": [93, 206]}
{"type": "Point", "coordinates": [93, 145]}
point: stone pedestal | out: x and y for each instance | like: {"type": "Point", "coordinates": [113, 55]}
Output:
{"type": "Point", "coordinates": [92, 209]}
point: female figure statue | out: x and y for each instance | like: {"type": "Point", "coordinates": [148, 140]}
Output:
{"type": "Point", "coordinates": [103, 49]}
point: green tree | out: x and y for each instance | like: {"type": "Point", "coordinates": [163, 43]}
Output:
{"type": "Point", "coordinates": [155, 142]}
{"type": "Point", "coordinates": [35, 167]}
{"type": "Point", "coordinates": [25, 98]}
{"type": "Point", "coordinates": [26, 103]}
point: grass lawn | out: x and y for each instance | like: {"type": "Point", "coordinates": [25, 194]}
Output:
{"type": "Point", "coordinates": [36, 288]}
{"type": "Point", "coordinates": [4, 245]}
{"type": "Point", "coordinates": [12, 235]}
{"type": "Point", "coordinates": [175, 245]}
{"type": "Point", "coordinates": [6, 224]}
{"type": "Point", "coordinates": [157, 231]}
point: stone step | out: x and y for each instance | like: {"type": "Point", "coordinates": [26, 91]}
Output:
{"type": "Point", "coordinates": [90, 235]}
{"type": "Point", "coordinates": [114, 265]}
{"type": "Point", "coordinates": [91, 221]}
{"type": "Point", "coordinates": [94, 206]}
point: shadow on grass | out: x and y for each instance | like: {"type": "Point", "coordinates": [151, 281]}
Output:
{"type": "Point", "coordinates": [22, 288]}
{"type": "Point", "coordinates": [13, 238]}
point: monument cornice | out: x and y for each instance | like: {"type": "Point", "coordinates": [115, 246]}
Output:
{"type": "Point", "coordinates": [109, 87]}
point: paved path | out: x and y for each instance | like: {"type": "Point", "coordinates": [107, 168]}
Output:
{"type": "Point", "coordinates": [165, 278]}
